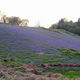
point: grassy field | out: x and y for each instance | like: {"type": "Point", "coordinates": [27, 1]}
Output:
{"type": "Point", "coordinates": [40, 46]}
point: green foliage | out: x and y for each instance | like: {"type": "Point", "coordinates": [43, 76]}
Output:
{"type": "Point", "coordinates": [20, 69]}
{"type": "Point", "coordinates": [5, 78]}
{"type": "Point", "coordinates": [67, 72]}
{"type": "Point", "coordinates": [72, 74]}
{"type": "Point", "coordinates": [12, 63]}
{"type": "Point", "coordinates": [70, 26]}
{"type": "Point", "coordinates": [70, 50]}
{"type": "Point", "coordinates": [70, 53]}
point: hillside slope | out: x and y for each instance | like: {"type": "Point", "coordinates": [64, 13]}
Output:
{"type": "Point", "coordinates": [22, 40]}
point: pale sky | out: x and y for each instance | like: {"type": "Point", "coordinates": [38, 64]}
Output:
{"type": "Point", "coordinates": [46, 12]}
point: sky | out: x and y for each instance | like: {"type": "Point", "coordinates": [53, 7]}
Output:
{"type": "Point", "coordinates": [43, 12]}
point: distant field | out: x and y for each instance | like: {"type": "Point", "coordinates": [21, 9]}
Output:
{"type": "Point", "coordinates": [36, 44]}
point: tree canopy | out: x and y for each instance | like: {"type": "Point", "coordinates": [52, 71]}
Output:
{"type": "Point", "coordinates": [13, 20]}
{"type": "Point", "coordinates": [70, 26]}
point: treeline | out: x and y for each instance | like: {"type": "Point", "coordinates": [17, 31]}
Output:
{"type": "Point", "coordinates": [13, 20]}
{"type": "Point", "coordinates": [70, 26]}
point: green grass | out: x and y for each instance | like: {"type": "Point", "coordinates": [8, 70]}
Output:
{"type": "Point", "coordinates": [64, 71]}
{"type": "Point", "coordinates": [64, 31]}
{"type": "Point", "coordinates": [20, 69]}
{"type": "Point", "coordinates": [70, 52]}
{"type": "Point", "coordinates": [12, 63]}
{"type": "Point", "coordinates": [45, 59]}
{"type": "Point", "coordinates": [72, 74]}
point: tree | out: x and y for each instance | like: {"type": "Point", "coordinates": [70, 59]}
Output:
{"type": "Point", "coordinates": [4, 19]}
{"type": "Point", "coordinates": [70, 26]}
{"type": "Point", "coordinates": [14, 20]}
{"type": "Point", "coordinates": [78, 22]}
{"type": "Point", "coordinates": [24, 22]}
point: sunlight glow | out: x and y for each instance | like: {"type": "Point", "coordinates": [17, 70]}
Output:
{"type": "Point", "coordinates": [46, 12]}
